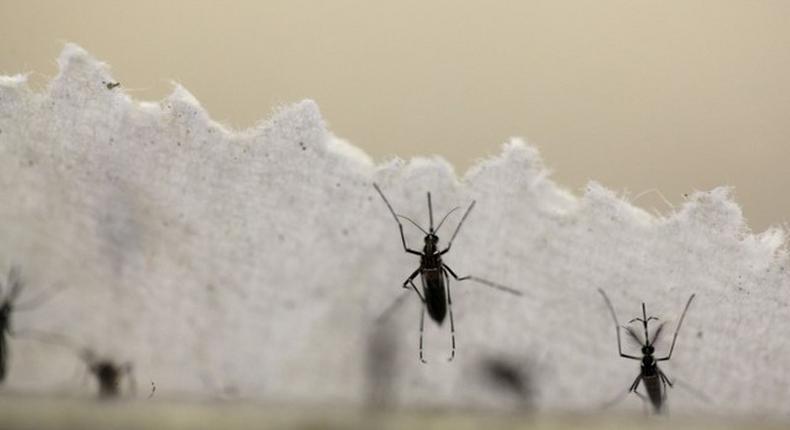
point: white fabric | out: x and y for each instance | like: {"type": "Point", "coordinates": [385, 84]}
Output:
{"type": "Point", "coordinates": [253, 263]}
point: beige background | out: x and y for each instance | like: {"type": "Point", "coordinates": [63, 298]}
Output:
{"type": "Point", "coordinates": [673, 95]}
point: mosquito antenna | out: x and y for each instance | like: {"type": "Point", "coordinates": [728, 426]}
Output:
{"type": "Point", "coordinates": [614, 317]}
{"type": "Point", "coordinates": [430, 211]}
{"type": "Point", "coordinates": [677, 330]}
{"type": "Point", "coordinates": [445, 217]}
{"type": "Point", "coordinates": [460, 223]}
{"type": "Point", "coordinates": [412, 221]}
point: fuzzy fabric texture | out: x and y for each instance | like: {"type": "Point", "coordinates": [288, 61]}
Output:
{"type": "Point", "coordinates": [256, 264]}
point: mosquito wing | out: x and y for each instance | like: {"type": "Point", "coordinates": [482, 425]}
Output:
{"type": "Point", "coordinates": [656, 337]}
{"type": "Point", "coordinates": [634, 338]}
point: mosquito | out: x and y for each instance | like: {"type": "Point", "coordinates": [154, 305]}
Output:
{"type": "Point", "coordinates": [654, 379]}
{"type": "Point", "coordinates": [110, 374]}
{"type": "Point", "coordinates": [8, 306]}
{"type": "Point", "coordinates": [435, 274]}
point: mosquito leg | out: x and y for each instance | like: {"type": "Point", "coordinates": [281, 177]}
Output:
{"type": "Point", "coordinates": [621, 396]}
{"type": "Point", "coordinates": [644, 400]}
{"type": "Point", "coordinates": [410, 278]}
{"type": "Point", "coordinates": [635, 384]}
{"type": "Point", "coordinates": [664, 382]}
{"type": "Point", "coordinates": [430, 211]}
{"type": "Point", "coordinates": [697, 393]}
{"type": "Point", "coordinates": [665, 378]}
{"type": "Point", "coordinates": [641, 396]}
{"type": "Point", "coordinates": [452, 323]}
{"type": "Point", "coordinates": [616, 327]}
{"type": "Point", "coordinates": [400, 226]}
{"type": "Point", "coordinates": [409, 284]}
{"type": "Point", "coordinates": [457, 229]}
{"type": "Point", "coordinates": [677, 329]}
{"type": "Point", "coordinates": [485, 282]}
{"type": "Point", "coordinates": [422, 324]}
{"type": "Point", "coordinates": [414, 287]}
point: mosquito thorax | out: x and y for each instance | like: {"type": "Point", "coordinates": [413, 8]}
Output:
{"type": "Point", "coordinates": [107, 373]}
{"type": "Point", "coordinates": [104, 369]}
{"type": "Point", "coordinates": [431, 240]}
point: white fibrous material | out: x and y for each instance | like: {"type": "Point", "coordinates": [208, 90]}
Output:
{"type": "Point", "coordinates": [257, 265]}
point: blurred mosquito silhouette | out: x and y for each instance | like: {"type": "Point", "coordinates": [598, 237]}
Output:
{"type": "Point", "coordinates": [511, 377]}
{"type": "Point", "coordinates": [8, 306]}
{"type": "Point", "coordinates": [434, 274]}
{"type": "Point", "coordinates": [109, 374]}
{"type": "Point", "coordinates": [654, 379]}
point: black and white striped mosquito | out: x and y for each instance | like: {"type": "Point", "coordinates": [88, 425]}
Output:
{"type": "Point", "coordinates": [653, 378]}
{"type": "Point", "coordinates": [434, 273]}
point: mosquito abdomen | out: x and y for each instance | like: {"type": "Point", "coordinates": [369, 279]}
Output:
{"type": "Point", "coordinates": [654, 391]}
{"type": "Point", "coordinates": [435, 296]}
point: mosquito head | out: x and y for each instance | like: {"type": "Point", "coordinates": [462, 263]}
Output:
{"type": "Point", "coordinates": [108, 375]}
{"type": "Point", "coordinates": [106, 370]}
{"type": "Point", "coordinates": [648, 350]}
{"type": "Point", "coordinates": [431, 244]}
